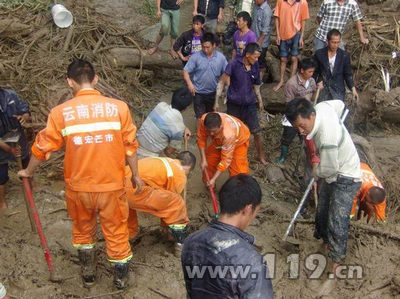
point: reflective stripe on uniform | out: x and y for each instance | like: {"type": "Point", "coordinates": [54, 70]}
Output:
{"type": "Point", "coordinates": [236, 124]}
{"type": "Point", "coordinates": [125, 260]}
{"type": "Point", "coordinates": [84, 246]}
{"type": "Point", "coordinates": [170, 173]}
{"type": "Point", "coordinates": [93, 127]}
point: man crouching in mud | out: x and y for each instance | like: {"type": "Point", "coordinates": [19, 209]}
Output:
{"type": "Point", "coordinates": [339, 170]}
{"type": "Point", "coordinates": [225, 244]}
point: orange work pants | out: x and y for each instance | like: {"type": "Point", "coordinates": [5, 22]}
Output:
{"type": "Point", "coordinates": [112, 208]}
{"type": "Point", "coordinates": [239, 163]}
{"type": "Point", "coordinates": [166, 205]}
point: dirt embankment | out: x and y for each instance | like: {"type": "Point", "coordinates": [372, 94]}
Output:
{"type": "Point", "coordinates": [155, 271]}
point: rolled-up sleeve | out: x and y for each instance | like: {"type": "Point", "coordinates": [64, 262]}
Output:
{"type": "Point", "coordinates": [48, 140]}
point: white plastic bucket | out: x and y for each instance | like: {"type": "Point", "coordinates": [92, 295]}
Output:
{"type": "Point", "coordinates": [62, 17]}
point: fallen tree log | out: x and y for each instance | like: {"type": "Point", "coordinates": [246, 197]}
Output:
{"type": "Point", "coordinates": [385, 104]}
{"type": "Point", "coordinates": [13, 28]}
{"type": "Point", "coordinates": [364, 227]}
{"type": "Point", "coordinates": [130, 57]}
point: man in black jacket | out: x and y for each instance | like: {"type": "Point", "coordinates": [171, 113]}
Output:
{"type": "Point", "coordinates": [14, 113]}
{"type": "Point", "coordinates": [189, 42]}
{"type": "Point", "coordinates": [334, 70]}
{"type": "Point", "coordinates": [225, 248]}
{"type": "Point", "coordinates": [212, 10]}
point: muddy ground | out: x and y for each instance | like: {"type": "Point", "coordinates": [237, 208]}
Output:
{"type": "Point", "coordinates": [155, 271]}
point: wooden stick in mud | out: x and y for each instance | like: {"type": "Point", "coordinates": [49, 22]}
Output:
{"type": "Point", "coordinates": [104, 295]}
{"type": "Point", "coordinates": [185, 189]}
{"type": "Point", "coordinates": [159, 293]}
{"type": "Point", "coordinates": [365, 227]}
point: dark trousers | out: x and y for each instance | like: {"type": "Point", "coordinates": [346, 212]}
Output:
{"type": "Point", "coordinates": [288, 134]}
{"type": "Point", "coordinates": [203, 103]}
{"type": "Point", "coordinates": [332, 220]}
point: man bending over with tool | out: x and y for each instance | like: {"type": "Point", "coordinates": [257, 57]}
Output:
{"type": "Point", "coordinates": [163, 128]}
{"type": "Point", "coordinates": [228, 147]}
{"type": "Point", "coordinates": [165, 179]}
{"type": "Point", "coordinates": [226, 244]}
{"type": "Point", "coordinates": [371, 199]}
{"type": "Point", "coordinates": [14, 113]}
{"type": "Point", "coordinates": [99, 136]}
{"type": "Point", "coordinates": [339, 170]}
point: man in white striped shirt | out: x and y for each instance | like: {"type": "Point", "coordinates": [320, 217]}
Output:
{"type": "Point", "coordinates": [163, 129]}
{"type": "Point", "coordinates": [339, 171]}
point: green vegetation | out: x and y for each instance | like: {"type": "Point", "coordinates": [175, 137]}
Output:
{"type": "Point", "coordinates": [148, 8]}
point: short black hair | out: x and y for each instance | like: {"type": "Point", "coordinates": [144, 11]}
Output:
{"type": "Point", "coordinates": [307, 63]}
{"type": "Point", "coordinates": [298, 107]}
{"type": "Point", "coordinates": [251, 48]}
{"type": "Point", "coordinates": [212, 120]}
{"type": "Point", "coordinates": [181, 98]}
{"type": "Point", "coordinates": [238, 192]}
{"type": "Point", "coordinates": [81, 71]}
{"type": "Point", "coordinates": [187, 159]}
{"type": "Point", "coordinates": [198, 18]}
{"type": "Point", "coordinates": [245, 16]}
{"type": "Point", "coordinates": [377, 194]}
{"type": "Point", "coordinates": [209, 37]}
{"type": "Point", "coordinates": [333, 32]}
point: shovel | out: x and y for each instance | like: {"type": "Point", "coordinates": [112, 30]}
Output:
{"type": "Point", "coordinates": [214, 199]}
{"type": "Point", "coordinates": [303, 199]}
{"type": "Point", "coordinates": [13, 138]}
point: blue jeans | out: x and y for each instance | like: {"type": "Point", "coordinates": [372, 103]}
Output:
{"type": "Point", "coordinates": [332, 220]}
{"type": "Point", "coordinates": [290, 47]}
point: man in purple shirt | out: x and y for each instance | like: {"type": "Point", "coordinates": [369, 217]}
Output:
{"type": "Point", "coordinates": [243, 36]}
{"type": "Point", "coordinates": [242, 75]}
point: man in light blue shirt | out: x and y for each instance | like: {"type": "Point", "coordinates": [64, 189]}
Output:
{"type": "Point", "coordinates": [202, 73]}
{"type": "Point", "coordinates": [262, 17]}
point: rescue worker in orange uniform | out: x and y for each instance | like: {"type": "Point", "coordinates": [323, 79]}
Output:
{"type": "Point", "coordinates": [228, 147]}
{"type": "Point", "coordinates": [165, 179]}
{"type": "Point", "coordinates": [99, 137]}
{"type": "Point", "coordinates": [371, 199]}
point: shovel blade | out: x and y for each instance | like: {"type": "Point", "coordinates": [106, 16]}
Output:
{"type": "Point", "coordinates": [12, 137]}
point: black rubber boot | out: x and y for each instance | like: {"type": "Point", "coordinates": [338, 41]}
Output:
{"type": "Point", "coordinates": [180, 233]}
{"type": "Point", "coordinates": [121, 275]}
{"type": "Point", "coordinates": [87, 258]}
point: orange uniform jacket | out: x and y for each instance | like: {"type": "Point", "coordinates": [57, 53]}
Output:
{"type": "Point", "coordinates": [369, 180]}
{"type": "Point", "coordinates": [234, 133]}
{"type": "Point", "coordinates": [162, 173]}
{"type": "Point", "coordinates": [98, 134]}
